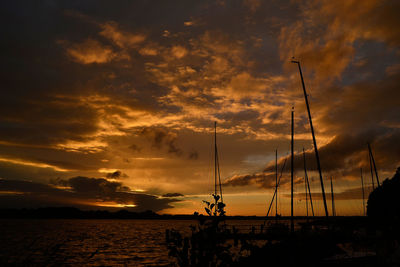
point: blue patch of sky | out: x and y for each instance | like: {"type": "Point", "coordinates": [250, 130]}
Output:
{"type": "Point", "coordinates": [369, 62]}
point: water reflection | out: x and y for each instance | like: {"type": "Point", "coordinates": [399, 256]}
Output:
{"type": "Point", "coordinates": [86, 242]}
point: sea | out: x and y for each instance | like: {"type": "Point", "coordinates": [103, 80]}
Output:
{"type": "Point", "coordinates": [60, 242]}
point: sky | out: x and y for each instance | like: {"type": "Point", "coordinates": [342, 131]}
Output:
{"type": "Point", "coordinates": [111, 104]}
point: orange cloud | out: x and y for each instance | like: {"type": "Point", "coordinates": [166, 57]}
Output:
{"type": "Point", "coordinates": [90, 51]}
{"type": "Point", "coordinates": [123, 39]}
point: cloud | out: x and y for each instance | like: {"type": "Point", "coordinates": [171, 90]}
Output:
{"type": "Point", "coordinates": [48, 123]}
{"type": "Point", "coordinates": [147, 51]}
{"type": "Point", "coordinates": [343, 157]}
{"type": "Point", "coordinates": [161, 138]}
{"type": "Point", "coordinates": [263, 180]}
{"type": "Point", "coordinates": [172, 195]}
{"type": "Point", "coordinates": [178, 51]}
{"type": "Point", "coordinates": [348, 194]}
{"type": "Point", "coordinates": [90, 51]}
{"type": "Point", "coordinates": [116, 175]}
{"type": "Point", "coordinates": [123, 39]}
{"type": "Point", "coordinates": [326, 44]}
{"type": "Point", "coordinates": [82, 192]}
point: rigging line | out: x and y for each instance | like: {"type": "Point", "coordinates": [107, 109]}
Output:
{"type": "Point", "coordinates": [373, 161]}
{"type": "Point", "coordinates": [210, 164]}
{"type": "Point", "coordinates": [279, 181]}
{"type": "Point", "coordinates": [309, 191]}
{"type": "Point", "coordinates": [305, 187]}
{"type": "Point", "coordinates": [372, 174]}
{"type": "Point", "coordinates": [332, 199]}
{"type": "Point", "coordinates": [308, 183]}
{"type": "Point", "coordinates": [219, 176]}
{"type": "Point", "coordinates": [362, 187]}
{"type": "Point", "coordinates": [276, 182]}
{"type": "Point", "coordinates": [313, 136]}
{"type": "Point", "coordinates": [215, 160]}
{"type": "Point", "coordinates": [292, 173]}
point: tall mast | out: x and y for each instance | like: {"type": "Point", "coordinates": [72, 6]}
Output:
{"type": "Point", "coordinates": [308, 183]}
{"type": "Point", "coordinates": [333, 199]}
{"type": "Point", "coordinates": [276, 182]}
{"type": "Point", "coordinates": [291, 175]}
{"type": "Point", "coordinates": [305, 187]}
{"type": "Point", "coordinates": [279, 180]}
{"type": "Point", "coordinates": [362, 187]}
{"type": "Point", "coordinates": [215, 168]}
{"type": "Point", "coordinates": [373, 161]}
{"type": "Point", "coordinates": [215, 158]}
{"type": "Point", "coordinates": [217, 174]}
{"type": "Point", "coordinates": [219, 178]}
{"type": "Point", "coordinates": [370, 167]}
{"type": "Point", "coordinates": [313, 136]}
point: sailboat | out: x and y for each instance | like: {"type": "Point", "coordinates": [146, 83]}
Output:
{"type": "Point", "coordinates": [216, 208]}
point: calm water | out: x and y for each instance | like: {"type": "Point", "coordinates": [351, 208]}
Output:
{"type": "Point", "coordinates": [92, 242]}
{"type": "Point", "coordinates": [86, 242]}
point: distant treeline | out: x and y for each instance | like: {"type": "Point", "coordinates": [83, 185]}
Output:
{"type": "Point", "coordinates": [75, 213]}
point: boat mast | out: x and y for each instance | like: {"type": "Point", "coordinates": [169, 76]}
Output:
{"type": "Point", "coordinates": [305, 187]}
{"type": "Point", "coordinates": [217, 173]}
{"type": "Point", "coordinates": [215, 167]}
{"type": "Point", "coordinates": [362, 187]}
{"type": "Point", "coordinates": [373, 161]}
{"type": "Point", "coordinates": [308, 183]}
{"type": "Point", "coordinates": [333, 199]}
{"type": "Point", "coordinates": [291, 174]}
{"type": "Point", "coordinates": [276, 183]}
{"type": "Point", "coordinates": [370, 167]}
{"type": "Point", "coordinates": [313, 136]}
{"type": "Point", "coordinates": [279, 181]}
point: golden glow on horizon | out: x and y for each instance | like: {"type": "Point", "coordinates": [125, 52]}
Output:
{"type": "Point", "coordinates": [113, 205]}
{"type": "Point", "coordinates": [32, 164]}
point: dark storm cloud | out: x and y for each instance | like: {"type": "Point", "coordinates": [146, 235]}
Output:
{"type": "Point", "coordinates": [173, 195]}
{"type": "Point", "coordinates": [334, 155]}
{"type": "Point", "coordinates": [162, 139]}
{"type": "Point", "coordinates": [344, 155]}
{"type": "Point", "coordinates": [263, 180]}
{"type": "Point", "coordinates": [349, 194]}
{"type": "Point", "coordinates": [25, 187]}
{"type": "Point", "coordinates": [81, 192]}
{"type": "Point", "coordinates": [116, 175]}
{"type": "Point", "coordinates": [49, 120]}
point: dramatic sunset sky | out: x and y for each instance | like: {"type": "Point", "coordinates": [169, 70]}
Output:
{"type": "Point", "coordinates": [111, 104]}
